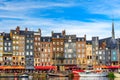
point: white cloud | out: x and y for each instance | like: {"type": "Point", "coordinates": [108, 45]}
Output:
{"type": "Point", "coordinates": [18, 6]}
{"type": "Point", "coordinates": [101, 29]}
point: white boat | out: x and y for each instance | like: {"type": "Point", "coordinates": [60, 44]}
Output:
{"type": "Point", "coordinates": [93, 74]}
{"type": "Point", "coordinates": [93, 78]}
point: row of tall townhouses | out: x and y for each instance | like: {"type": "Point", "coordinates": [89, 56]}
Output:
{"type": "Point", "coordinates": [24, 49]}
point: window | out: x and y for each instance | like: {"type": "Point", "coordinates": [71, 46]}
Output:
{"type": "Point", "coordinates": [45, 50]}
{"type": "Point", "coordinates": [9, 48]}
{"type": "Point", "coordinates": [27, 41]}
{"type": "Point", "coordinates": [57, 49]}
{"type": "Point", "coordinates": [27, 53]}
{"type": "Point", "coordinates": [36, 38]}
{"type": "Point", "coordinates": [31, 47]}
{"type": "Point", "coordinates": [9, 44]}
{"type": "Point", "coordinates": [69, 40]}
{"type": "Point", "coordinates": [66, 45]}
{"type": "Point", "coordinates": [17, 47]}
{"type": "Point", "coordinates": [5, 48]}
{"type": "Point", "coordinates": [53, 42]}
{"type": "Point", "coordinates": [31, 53]}
{"type": "Point", "coordinates": [78, 55]}
{"type": "Point", "coordinates": [31, 41]}
{"type": "Point", "coordinates": [1, 48]}
{"type": "Point", "coordinates": [69, 56]}
{"type": "Point", "coordinates": [57, 36]}
{"type": "Point", "coordinates": [27, 47]}
{"type": "Point", "coordinates": [70, 50]}
{"type": "Point", "coordinates": [39, 39]}
{"type": "Point", "coordinates": [78, 50]}
{"type": "Point", "coordinates": [5, 44]}
{"type": "Point", "coordinates": [61, 43]}
{"type": "Point", "coordinates": [53, 49]}
{"type": "Point", "coordinates": [0, 54]}
{"type": "Point", "coordinates": [78, 45]}
{"type": "Point", "coordinates": [48, 50]}
{"type": "Point", "coordinates": [57, 43]}
{"type": "Point", "coordinates": [0, 58]}
{"type": "Point", "coordinates": [82, 45]}
{"type": "Point", "coordinates": [17, 42]}
{"type": "Point", "coordinates": [100, 57]}
{"type": "Point", "coordinates": [61, 49]}
{"type": "Point", "coordinates": [83, 50]}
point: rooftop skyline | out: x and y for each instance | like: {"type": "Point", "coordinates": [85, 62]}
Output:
{"type": "Point", "coordinates": [93, 18]}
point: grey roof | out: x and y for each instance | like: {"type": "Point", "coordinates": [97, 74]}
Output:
{"type": "Point", "coordinates": [46, 39]}
{"type": "Point", "coordinates": [80, 38]}
{"type": "Point", "coordinates": [57, 34]}
{"type": "Point", "coordinates": [89, 42]}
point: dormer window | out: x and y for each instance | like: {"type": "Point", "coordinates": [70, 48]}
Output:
{"type": "Point", "coordinates": [44, 40]}
{"type": "Point", "coordinates": [15, 32]}
{"type": "Point", "coordinates": [48, 40]}
{"type": "Point", "coordinates": [58, 36]}
{"type": "Point", "coordinates": [7, 39]}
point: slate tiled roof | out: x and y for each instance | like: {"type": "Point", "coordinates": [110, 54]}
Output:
{"type": "Point", "coordinates": [46, 39]}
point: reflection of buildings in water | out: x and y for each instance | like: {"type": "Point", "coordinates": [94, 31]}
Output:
{"type": "Point", "coordinates": [93, 78]}
{"type": "Point", "coordinates": [117, 79]}
{"type": "Point", "coordinates": [58, 78]}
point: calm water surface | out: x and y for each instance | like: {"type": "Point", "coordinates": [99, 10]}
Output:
{"type": "Point", "coordinates": [63, 78]}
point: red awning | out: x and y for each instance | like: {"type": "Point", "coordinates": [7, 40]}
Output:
{"type": "Point", "coordinates": [1, 67]}
{"type": "Point", "coordinates": [113, 67]}
{"type": "Point", "coordinates": [45, 67]}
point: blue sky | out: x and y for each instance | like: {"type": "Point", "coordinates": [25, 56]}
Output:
{"type": "Point", "coordinates": [90, 17]}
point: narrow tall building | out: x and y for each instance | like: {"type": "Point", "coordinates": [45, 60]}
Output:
{"type": "Point", "coordinates": [81, 51]}
{"type": "Point", "coordinates": [46, 51]}
{"type": "Point", "coordinates": [89, 53]}
{"type": "Point", "coordinates": [70, 50]}
{"type": "Point", "coordinates": [1, 49]}
{"type": "Point", "coordinates": [37, 47]}
{"type": "Point", "coordinates": [58, 48]}
{"type": "Point", "coordinates": [7, 55]}
{"type": "Point", "coordinates": [29, 49]}
{"type": "Point", "coordinates": [95, 50]}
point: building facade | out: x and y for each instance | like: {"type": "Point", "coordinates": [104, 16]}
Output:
{"type": "Point", "coordinates": [37, 47]}
{"type": "Point", "coordinates": [89, 53]}
{"type": "Point", "coordinates": [7, 55]}
{"type": "Point", "coordinates": [70, 50]}
{"type": "Point", "coordinates": [95, 50]}
{"type": "Point", "coordinates": [81, 51]}
{"type": "Point", "coordinates": [1, 48]}
{"type": "Point", "coordinates": [29, 49]}
{"type": "Point", "coordinates": [46, 51]}
{"type": "Point", "coordinates": [58, 48]}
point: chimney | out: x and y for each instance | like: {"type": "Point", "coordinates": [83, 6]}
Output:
{"type": "Point", "coordinates": [52, 33]}
{"type": "Point", "coordinates": [85, 36]}
{"type": "Point", "coordinates": [39, 30]}
{"type": "Point", "coordinates": [26, 29]}
{"type": "Point", "coordinates": [17, 29]}
{"type": "Point", "coordinates": [63, 32]}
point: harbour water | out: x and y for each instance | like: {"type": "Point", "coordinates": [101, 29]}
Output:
{"type": "Point", "coordinates": [63, 78]}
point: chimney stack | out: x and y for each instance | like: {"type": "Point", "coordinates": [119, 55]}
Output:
{"type": "Point", "coordinates": [26, 29]}
{"type": "Point", "coordinates": [18, 29]}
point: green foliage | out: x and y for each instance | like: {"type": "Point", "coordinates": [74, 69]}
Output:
{"type": "Point", "coordinates": [111, 75]}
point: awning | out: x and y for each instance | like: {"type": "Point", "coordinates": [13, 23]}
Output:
{"type": "Point", "coordinates": [105, 67]}
{"type": "Point", "coordinates": [14, 67]}
{"type": "Point", "coordinates": [45, 67]}
{"type": "Point", "coordinates": [113, 67]}
{"type": "Point", "coordinates": [1, 67]}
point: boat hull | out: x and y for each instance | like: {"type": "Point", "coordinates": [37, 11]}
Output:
{"type": "Point", "coordinates": [93, 74]}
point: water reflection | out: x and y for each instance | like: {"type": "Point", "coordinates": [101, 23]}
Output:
{"type": "Point", "coordinates": [63, 78]}
{"type": "Point", "coordinates": [80, 78]}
